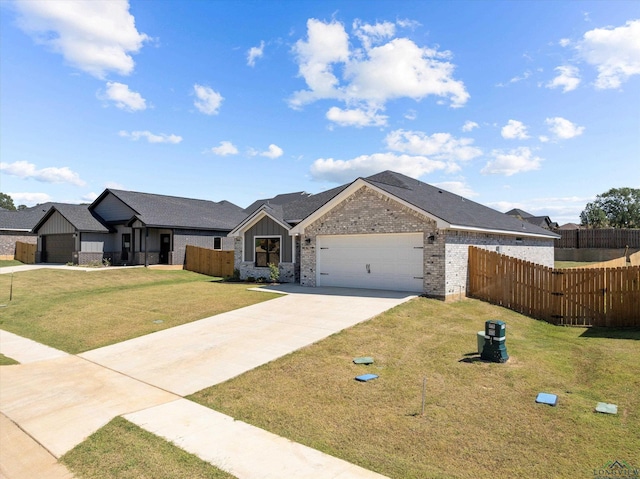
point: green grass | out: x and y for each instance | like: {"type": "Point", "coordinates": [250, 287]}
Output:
{"type": "Point", "coordinates": [10, 262]}
{"type": "Point", "coordinates": [123, 450]}
{"type": "Point", "coordinates": [7, 361]}
{"type": "Point", "coordinates": [76, 311]}
{"type": "Point", "coordinates": [571, 264]}
{"type": "Point", "coordinates": [480, 419]}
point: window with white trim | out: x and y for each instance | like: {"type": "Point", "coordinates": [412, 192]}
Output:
{"type": "Point", "coordinates": [217, 242]}
{"type": "Point", "coordinates": [267, 250]}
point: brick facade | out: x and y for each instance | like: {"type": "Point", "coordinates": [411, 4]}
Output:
{"type": "Point", "coordinates": [8, 242]}
{"type": "Point", "coordinates": [457, 244]}
{"type": "Point", "coordinates": [366, 212]}
{"type": "Point", "coordinates": [445, 252]}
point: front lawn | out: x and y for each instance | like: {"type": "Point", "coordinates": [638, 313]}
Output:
{"type": "Point", "coordinates": [76, 311]}
{"type": "Point", "coordinates": [123, 450]}
{"type": "Point", "coordinates": [480, 419]}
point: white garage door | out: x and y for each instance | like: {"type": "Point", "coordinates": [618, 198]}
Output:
{"type": "Point", "coordinates": [375, 261]}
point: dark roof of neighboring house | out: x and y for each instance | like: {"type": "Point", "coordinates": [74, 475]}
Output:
{"type": "Point", "coordinates": [278, 200]}
{"type": "Point", "coordinates": [25, 219]}
{"type": "Point", "coordinates": [176, 212]}
{"type": "Point", "coordinates": [78, 216]}
{"type": "Point", "coordinates": [449, 207]}
{"type": "Point", "coordinates": [519, 213]}
{"type": "Point", "coordinates": [570, 226]}
{"type": "Point", "coordinates": [542, 221]}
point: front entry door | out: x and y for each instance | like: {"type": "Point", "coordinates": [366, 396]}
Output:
{"type": "Point", "coordinates": [165, 247]}
{"type": "Point", "coordinates": [126, 247]}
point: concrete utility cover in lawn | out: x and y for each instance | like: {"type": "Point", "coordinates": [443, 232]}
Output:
{"type": "Point", "coordinates": [191, 357]}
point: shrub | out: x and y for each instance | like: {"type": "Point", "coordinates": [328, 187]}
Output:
{"type": "Point", "coordinates": [274, 272]}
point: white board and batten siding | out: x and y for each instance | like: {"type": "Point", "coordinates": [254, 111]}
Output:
{"type": "Point", "coordinates": [372, 261]}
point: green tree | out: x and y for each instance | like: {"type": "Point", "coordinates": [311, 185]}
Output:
{"type": "Point", "coordinates": [617, 208]}
{"type": "Point", "coordinates": [6, 202]}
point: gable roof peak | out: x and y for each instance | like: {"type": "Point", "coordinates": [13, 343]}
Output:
{"type": "Point", "coordinates": [390, 178]}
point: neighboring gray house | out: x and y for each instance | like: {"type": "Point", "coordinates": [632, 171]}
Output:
{"type": "Point", "coordinates": [386, 231]}
{"type": "Point", "coordinates": [135, 228]}
{"type": "Point", "coordinates": [17, 225]}
{"type": "Point", "coordinates": [70, 234]}
{"type": "Point", "coordinates": [541, 221]}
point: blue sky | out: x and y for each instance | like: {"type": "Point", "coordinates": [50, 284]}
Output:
{"type": "Point", "coordinates": [528, 104]}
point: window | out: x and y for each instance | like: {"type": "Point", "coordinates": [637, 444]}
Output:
{"type": "Point", "coordinates": [217, 243]}
{"type": "Point", "coordinates": [267, 251]}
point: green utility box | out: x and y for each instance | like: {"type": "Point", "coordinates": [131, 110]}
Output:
{"type": "Point", "coordinates": [495, 349]}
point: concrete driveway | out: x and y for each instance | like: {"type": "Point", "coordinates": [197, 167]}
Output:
{"type": "Point", "coordinates": [191, 357]}
{"type": "Point", "coordinates": [61, 399]}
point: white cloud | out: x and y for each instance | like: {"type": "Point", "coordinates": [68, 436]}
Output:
{"type": "Point", "coordinates": [226, 148]}
{"type": "Point", "coordinates": [365, 78]}
{"type": "Point", "coordinates": [115, 185]}
{"type": "Point", "coordinates": [517, 79]}
{"type": "Point", "coordinates": [356, 117]}
{"type": "Point", "coordinates": [511, 162]}
{"type": "Point", "coordinates": [124, 98]}
{"type": "Point", "coordinates": [615, 52]}
{"type": "Point", "coordinates": [439, 146]}
{"type": "Point", "coordinates": [89, 197]}
{"type": "Point", "coordinates": [254, 53]}
{"type": "Point", "coordinates": [563, 129]}
{"type": "Point", "coordinates": [327, 43]}
{"type": "Point", "coordinates": [273, 152]}
{"type": "Point", "coordinates": [514, 130]}
{"type": "Point", "coordinates": [564, 42]}
{"type": "Point", "coordinates": [208, 100]}
{"type": "Point", "coordinates": [151, 137]}
{"type": "Point", "coordinates": [411, 115]}
{"type": "Point", "coordinates": [568, 78]}
{"type": "Point", "coordinates": [341, 171]}
{"type": "Point", "coordinates": [373, 34]}
{"type": "Point", "coordinates": [457, 187]}
{"type": "Point", "coordinates": [469, 125]}
{"type": "Point", "coordinates": [400, 68]}
{"type": "Point", "coordinates": [29, 199]}
{"type": "Point", "coordinates": [26, 170]}
{"type": "Point", "coordinates": [96, 37]}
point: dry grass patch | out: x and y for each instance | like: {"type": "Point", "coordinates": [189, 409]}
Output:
{"type": "Point", "coordinates": [123, 450]}
{"type": "Point", "coordinates": [77, 311]}
{"type": "Point", "coordinates": [481, 419]}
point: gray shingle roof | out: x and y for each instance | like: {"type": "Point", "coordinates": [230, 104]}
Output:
{"type": "Point", "coordinates": [449, 207]}
{"type": "Point", "coordinates": [176, 212]}
{"type": "Point", "coordinates": [78, 216]}
{"type": "Point", "coordinates": [518, 212]}
{"type": "Point", "coordinates": [452, 208]}
{"type": "Point", "coordinates": [24, 220]}
{"type": "Point", "coordinates": [278, 200]}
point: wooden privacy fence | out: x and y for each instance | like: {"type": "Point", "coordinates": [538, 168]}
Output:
{"type": "Point", "coordinates": [608, 297]}
{"type": "Point", "coordinates": [209, 261]}
{"type": "Point", "coordinates": [26, 252]}
{"type": "Point", "coordinates": [613, 238]}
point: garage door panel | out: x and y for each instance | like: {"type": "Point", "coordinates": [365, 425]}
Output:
{"type": "Point", "coordinates": [387, 261]}
{"type": "Point", "coordinates": [59, 248]}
